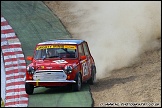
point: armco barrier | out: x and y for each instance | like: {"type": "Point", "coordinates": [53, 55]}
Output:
{"type": "Point", "coordinates": [15, 67]}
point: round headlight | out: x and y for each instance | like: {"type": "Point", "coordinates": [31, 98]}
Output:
{"type": "Point", "coordinates": [68, 69]}
{"type": "Point", "coordinates": [30, 70]}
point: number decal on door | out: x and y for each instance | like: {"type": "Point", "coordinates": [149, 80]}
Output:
{"type": "Point", "coordinates": [85, 68]}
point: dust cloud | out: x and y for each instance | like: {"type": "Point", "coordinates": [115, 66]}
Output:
{"type": "Point", "coordinates": [116, 31]}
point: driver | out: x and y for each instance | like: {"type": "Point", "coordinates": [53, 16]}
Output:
{"type": "Point", "coordinates": [52, 52]}
{"type": "Point", "coordinates": [49, 53]}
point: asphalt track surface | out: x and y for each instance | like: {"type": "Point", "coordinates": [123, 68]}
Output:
{"type": "Point", "coordinates": [33, 22]}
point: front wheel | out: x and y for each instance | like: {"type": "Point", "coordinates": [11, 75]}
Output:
{"type": "Point", "coordinates": [29, 88]}
{"type": "Point", "coordinates": [77, 86]}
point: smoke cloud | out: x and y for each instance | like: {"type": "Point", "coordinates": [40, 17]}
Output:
{"type": "Point", "coordinates": [116, 31]}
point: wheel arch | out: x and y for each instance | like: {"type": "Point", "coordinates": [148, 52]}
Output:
{"type": "Point", "coordinates": [76, 75]}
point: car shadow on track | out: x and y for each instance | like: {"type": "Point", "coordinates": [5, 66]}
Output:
{"type": "Point", "coordinates": [62, 89]}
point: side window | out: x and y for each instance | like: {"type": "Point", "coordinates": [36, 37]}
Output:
{"type": "Point", "coordinates": [86, 49]}
{"type": "Point", "coordinates": [80, 49]}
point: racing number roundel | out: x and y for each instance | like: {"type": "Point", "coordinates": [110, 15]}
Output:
{"type": "Point", "coordinates": [85, 68]}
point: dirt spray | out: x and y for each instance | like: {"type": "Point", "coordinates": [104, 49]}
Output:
{"type": "Point", "coordinates": [117, 31]}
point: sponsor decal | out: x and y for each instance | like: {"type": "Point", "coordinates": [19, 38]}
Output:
{"type": "Point", "coordinates": [74, 65]}
{"type": "Point", "coordinates": [55, 46]}
{"type": "Point", "coordinates": [42, 67]}
{"type": "Point", "coordinates": [60, 61]}
{"type": "Point", "coordinates": [49, 67]}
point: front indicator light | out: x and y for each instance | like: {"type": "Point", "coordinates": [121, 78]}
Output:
{"type": "Point", "coordinates": [30, 77]}
{"type": "Point", "coordinates": [68, 77]}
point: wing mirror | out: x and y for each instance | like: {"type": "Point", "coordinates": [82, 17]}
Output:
{"type": "Point", "coordinates": [83, 57]}
{"type": "Point", "coordinates": [30, 58]}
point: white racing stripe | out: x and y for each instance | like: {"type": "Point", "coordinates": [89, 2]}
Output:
{"type": "Point", "coordinates": [16, 99]}
{"type": "Point", "coordinates": [16, 74]}
{"type": "Point", "coordinates": [14, 80]}
{"type": "Point", "coordinates": [13, 56]}
{"type": "Point", "coordinates": [15, 87]}
{"type": "Point", "coordinates": [13, 75]}
{"type": "Point", "coordinates": [2, 19]}
{"type": "Point", "coordinates": [17, 105]}
{"type": "Point", "coordinates": [12, 68]}
{"type": "Point", "coordinates": [15, 62]}
{"type": "Point", "coordinates": [15, 93]}
{"type": "Point", "coordinates": [8, 35]}
{"type": "Point", "coordinates": [13, 41]}
{"type": "Point", "coordinates": [11, 50]}
{"type": "Point", "coordinates": [4, 43]}
{"type": "Point", "coordinates": [6, 27]}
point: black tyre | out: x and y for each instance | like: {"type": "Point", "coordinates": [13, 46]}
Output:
{"type": "Point", "coordinates": [77, 86]}
{"type": "Point", "coordinates": [29, 88]}
{"type": "Point", "coordinates": [93, 76]}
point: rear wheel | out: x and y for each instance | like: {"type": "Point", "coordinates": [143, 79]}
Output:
{"type": "Point", "coordinates": [93, 76]}
{"type": "Point", "coordinates": [29, 88]}
{"type": "Point", "coordinates": [77, 86]}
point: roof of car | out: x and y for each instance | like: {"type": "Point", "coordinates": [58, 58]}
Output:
{"type": "Point", "coordinates": [62, 41]}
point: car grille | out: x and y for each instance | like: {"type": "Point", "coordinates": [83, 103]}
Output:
{"type": "Point", "coordinates": [49, 75]}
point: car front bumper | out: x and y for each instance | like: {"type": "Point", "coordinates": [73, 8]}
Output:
{"type": "Point", "coordinates": [50, 83]}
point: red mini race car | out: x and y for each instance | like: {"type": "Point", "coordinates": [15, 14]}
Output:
{"type": "Point", "coordinates": [61, 62]}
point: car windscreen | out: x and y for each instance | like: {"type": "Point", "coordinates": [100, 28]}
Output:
{"type": "Point", "coordinates": [56, 51]}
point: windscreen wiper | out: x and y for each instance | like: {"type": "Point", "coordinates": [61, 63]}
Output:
{"type": "Point", "coordinates": [53, 56]}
